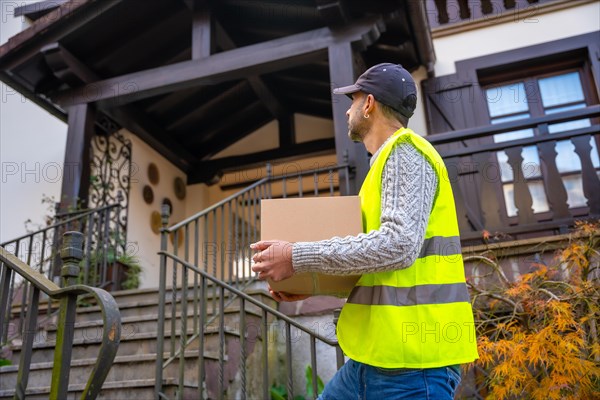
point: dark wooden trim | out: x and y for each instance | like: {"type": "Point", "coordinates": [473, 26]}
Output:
{"type": "Point", "coordinates": [119, 53]}
{"type": "Point", "coordinates": [138, 123]}
{"type": "Point", "coordinates": [230, 126]}
{"type": "Point", "coordinates": [76, 167]}
{"type": "Point", "coordinates": [333, 12]}
{"type": "Point", "coordinates": [287, 131]}
{"type": "Point", "coordinates": [57, 24]}
{"type": "Point", "coordinates": [592, 130]}
{"type": "Point", "coordinates": [262, 90]}
{"type": "Point", "coordinates": [512, 58]}
{"type": "Point", "coordinates": [254, 117]}
{"type": "Point", "coordinates": [417, 18]}
{"type": "Point", "coordinates": [33, 97]}
{"type": "Point", "coordinates": [63, 61]}
{"type": "Point", "coordinates": [201, 32]}
{"type": "Point", "coordinates": [39, 7]}
{"type": "Point", "coordinates": [205, 171]}
{"type": "Point", "coordinates": [554, 225]}
{"type": "Point", "coordinates": [488, 130]}
{"type": "Point", "coordinates": [191, 110]}
{"type": "Point", "coordinates": [265, 57]}
{"type": "Point", "coordinates": [341, 71]}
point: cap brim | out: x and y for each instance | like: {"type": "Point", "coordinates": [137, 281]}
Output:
{"type": "Point", "coordinates": [346, 90]}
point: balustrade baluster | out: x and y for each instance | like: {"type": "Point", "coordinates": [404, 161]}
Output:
{"type": "Point", "coordinates": [555, 189]}
{"type": "Point", "coordinates": [589, 176]}
{"type": "Point", "coordinates": [523, 200]}
{"type": "Point", "coordinates": [489, 176]}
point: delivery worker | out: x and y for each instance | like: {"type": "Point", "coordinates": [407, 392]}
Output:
{"type": "Point", "coordinates": [407, 324]}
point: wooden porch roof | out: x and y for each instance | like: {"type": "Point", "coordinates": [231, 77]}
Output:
{"type": "Point", "coordinates": [193, 77]}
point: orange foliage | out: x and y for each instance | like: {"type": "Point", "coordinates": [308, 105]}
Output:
{"type": "Point", "coordinates": [542, 343]}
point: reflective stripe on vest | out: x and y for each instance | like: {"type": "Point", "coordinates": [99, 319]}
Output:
{"type": "Point", "coordinates": [409, 296]}
{"type": "Point", "coordinates": [440, 246]}
{"type": "Point", "coordinates": [419, 316]}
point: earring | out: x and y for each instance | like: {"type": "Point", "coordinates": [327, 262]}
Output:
{"type": "Point", "coordinates": [366, 116]}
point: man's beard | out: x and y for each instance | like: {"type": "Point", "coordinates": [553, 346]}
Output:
{"type": "Point", "coordinates": [357, 128]}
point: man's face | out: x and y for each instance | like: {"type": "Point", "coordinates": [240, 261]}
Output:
{"type": "Point", "coordinates": [358, 125]}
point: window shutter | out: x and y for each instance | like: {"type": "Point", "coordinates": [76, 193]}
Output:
{"type": "Point", "coordinates": [451, 103]}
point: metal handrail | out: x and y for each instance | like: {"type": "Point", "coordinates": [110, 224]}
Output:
{"type": "Point", "coordinates": [250, 299]}
{"type": "Point", "coordinates": [265, 311]}
{"type": "Point", "coordinates": [228, 227]}
{"type": "Point", "coordinates": [71, 255]}
{"type": "Point", "coordinates": [45, 242]}
{"type": "Point", "coordinates": [61, 223]}
{"type": "Point", "coordinates": [215, 206]}
{"type": "Point", "coordinates": [268, 179]}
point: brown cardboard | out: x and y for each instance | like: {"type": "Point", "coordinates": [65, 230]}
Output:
{"type": "Point", "coordinates": [311, 219]}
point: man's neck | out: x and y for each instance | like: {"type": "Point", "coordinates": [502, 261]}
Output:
{"type": "Point", "coordinates": [378, 134]}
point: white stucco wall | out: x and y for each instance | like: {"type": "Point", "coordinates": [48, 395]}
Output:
{"type": "Point", "coordinates": [140, 237]}
{"type": "Point", "coordinates": [526, 30]}
{"type": "Point", "coordinates": [417, 122]}
{"type": "Point", "coordinates": [32, 150]}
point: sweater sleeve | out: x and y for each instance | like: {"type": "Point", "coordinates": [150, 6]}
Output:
{"type": "Point", "coordinates": [408, 189]}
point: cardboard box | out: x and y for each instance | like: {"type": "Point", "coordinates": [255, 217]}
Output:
{"type": "Point", "coordinates": [310, 219]}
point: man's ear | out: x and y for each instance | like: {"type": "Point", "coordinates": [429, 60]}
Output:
{"type": "Point", "coordinates": [369, 104]}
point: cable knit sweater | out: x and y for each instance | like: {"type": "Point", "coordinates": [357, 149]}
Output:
{"type": "Point", "coordinates": [408, 188]}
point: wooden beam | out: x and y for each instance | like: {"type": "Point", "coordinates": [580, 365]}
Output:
{"type": "Point", "coordinates": [37, 7]}
{"type": "Point", "coordinates": [201, 32]}
{"type": "Point", "coordinates": [119, 51]}
{"type": "Point", "coordinates": [231, 124]}
{"type": "Point", "coordinates": [193, 110]}
{"type": "Point", "coordinates": [61, 59]}
{"type": "Point", "coordinates": [66, 67]}
{"type": "Point", "coordinates": [227, 136]}
{"type": "Point", "coordinates": [145, 128]}
{"type": "Point", "coordinates": [205, 171]}
{"type": "Point", "coordinates": [287, 131]}
{"type": "Point", "coordinates": [239, 63]}
{"type": "Point", "coordinates": [76, 167]}
{"type": "Point", "coordinates": [341, 74]}
{"type": "Point", "coordinates": [263, 92]}
{"type": "Point", "coordinates": [54, 26]}
{"type": "Point", "coordinates": [334, 12]}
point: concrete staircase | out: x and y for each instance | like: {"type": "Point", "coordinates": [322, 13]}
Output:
{"type": "Point", "coordinates": [132, 374]}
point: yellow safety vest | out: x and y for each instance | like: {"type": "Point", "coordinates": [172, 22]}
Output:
{"type": "Point", "coordinates": [420, 316]}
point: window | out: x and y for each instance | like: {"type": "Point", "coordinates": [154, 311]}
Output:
{"type": "Point", "coordinates": [501, 185]}
{"type": "Point", "coordinates": [531, 97]}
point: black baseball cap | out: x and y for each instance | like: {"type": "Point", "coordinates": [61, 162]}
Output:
{"type": "Point", "coordinates": [390, 84]}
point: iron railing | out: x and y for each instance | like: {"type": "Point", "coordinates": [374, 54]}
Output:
{"type": "Point", "coordinates": [216, 249]}
{"type": "Point", "coordinates": [34, 287]}
{"type": "Point", "coordinates": [104, 243]}
{"type": "Point", "coordinates": [476, 175]}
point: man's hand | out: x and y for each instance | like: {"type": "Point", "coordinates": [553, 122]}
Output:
{"type": "Point", "coordinates": [273, 260]}
{"type": "Point", "coordinates": [283, 296]}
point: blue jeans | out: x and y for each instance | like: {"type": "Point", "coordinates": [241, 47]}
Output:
{"type": "Point", "coordinates": [364, 382]}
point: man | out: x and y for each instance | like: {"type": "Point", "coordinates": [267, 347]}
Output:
{"type": "Point", "coordinates": [408, 323]}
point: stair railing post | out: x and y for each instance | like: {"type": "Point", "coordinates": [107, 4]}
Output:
{"type": "Point", "coordinates": [339, 354]}
{"type": "Point", "coordinates": [71, 255]}
{"type": "Point", "coordinates": [269, 193]}
{"type": "Point", "coordinates": [162, 292]}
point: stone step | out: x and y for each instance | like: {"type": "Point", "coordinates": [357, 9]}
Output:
{"type": "Point", "coordinates": [134, 344]}
{"type": "Point", "coordinates": [126, 298]}
{"type": "Point", "coordinates": [150, 306]}
{"type": "Point", "coordinates": [148, 323]}
{"type": "Point", "coordinates": [140, 389]}
{"type": "Point", "coordinates": [124, 369]}
{"type": "Point", "coordinates": [138, 347]}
